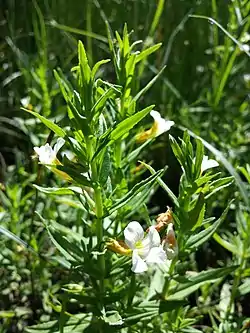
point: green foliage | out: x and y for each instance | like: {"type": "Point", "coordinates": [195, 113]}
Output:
{"type": "Point", "coordinates": [59, 217]}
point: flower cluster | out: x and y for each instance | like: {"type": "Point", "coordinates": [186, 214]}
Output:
{"type": "Point", "coordinates": [145, 250]}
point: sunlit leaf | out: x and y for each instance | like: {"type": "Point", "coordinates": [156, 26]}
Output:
{"type": "Point", "coordinates": [52, 126]}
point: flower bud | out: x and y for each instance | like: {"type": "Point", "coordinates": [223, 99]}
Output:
{"type": "Point", "coordinates": [144, 136]}
{"type": "Point", "coordinates": [118, 246]}
{"type": "Point", "coordinates": [169, 243]}
{"type": "Point", "coordinates": [61, 174]}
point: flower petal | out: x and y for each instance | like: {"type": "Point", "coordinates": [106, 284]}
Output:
{"type": "Point", "coordinates": [151, 240]}
{"type": "Point", "coordinates": [138, 264]}
{"type": "Point", "coordinates": [59, 143]}
{"type": "Point", "coordinates": [155, 239]}
{"type": "Point", "coordinates": [133, 233]}
{"type": "Point", "coordinates": [208, 163]}
{"type": "Point", "coordinates": [165, 126]}
{"type": "Point", "coordinates": [156, 256]}
{"type": "Point", "coordinates": [37, 150]}
{"type": "Point", "coordinates": [46, 154]}
{"type": "Point", "coordinates": [161, 125]}
{"type": "Point", "coordinates": [156, 115]}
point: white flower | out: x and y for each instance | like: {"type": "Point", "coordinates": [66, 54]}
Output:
{"type": "Point", "coordinates": [25, 101]}
{"type": "Point", "coordinates": [170, 244]}
{"type": "Point", "coordinates": [208, 163]}
{"type": "Point", "coordinates": [246, 77]}
{"type": "Point", "coordinates": [161, 125]}
{"type": "Point", "coordinates": [145, 250]}
{"type": "Point", "coordinates": [47, 154]}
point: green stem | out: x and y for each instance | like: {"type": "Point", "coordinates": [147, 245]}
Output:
{"type": "Point", "coordinates": [99, 213]}
{"type": "Point", "coordinates": [62, 317]}
{"type": "Point", "coordinates": [168, 278]}
{"type": "Point", "coordinates": [31, 236]}
{"type": "Point", "coordinates": [236, 283]}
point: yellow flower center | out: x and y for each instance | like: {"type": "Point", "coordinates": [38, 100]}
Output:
{"type": "Point", "coordinates": [139, 245]}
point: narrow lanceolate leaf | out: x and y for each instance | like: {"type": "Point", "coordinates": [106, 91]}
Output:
{"type": "Point", "coordinates": [68, 246]}
{"type": "Point", "coordinates": [112, 49]}
{"type": "Point", "coordinates": [197, 213]}
{"type": "Point", "coordinates": [196, 240]}
{"type": "Point", "coordinates": [65, 86]}
{"type": "Point", "coordinates": [98, 106]}
{"type": "Point", "coordinates": [218, 185]}
{"type": "Point", "coordinates": [161, 307]}
{"type": "Point", "coordinates": [57, 244]}
{"type": "Point", "coordinates": [227, 245]}
{"type": "Point", "coordinates": [177, 151]}
{"type": "Point", "coordinates": [105, 168]}
{"type": "Point", "coordinates": [147, 87]}
{"type": "Point", "coordinates": [193, 283]}
{"type": "Point", "coordinates": [97, 66]}
{"type": "Point", "coordinates": [75, 174]}
{"type": "Point", "coordinates": [144, 54]}
{"type": "Point", "coordinates": [125, 40]}
{"type": "Point", "coordinates": [15, 238]}
{"type": "Point", "coordinates": [245, 172]}
{"type": "Point", "coordinates": [135, 318]}
{"type": "Point", "coordinates": [198, 158]}
{"type": "Point", "coordinates": [77, 324]}
{"type": "Point", "coordinates": [52, 126]}
{"type": "Point", "coordinates": [125, 126]}
{"type": "Point", "coordinates": [83, 63]}
{"type": "Point", "coordinates": [135, 153]}
{"type": "Point", "coordinates": [59, 191]}
{"type": "Point", "coordinates": [143, 185]}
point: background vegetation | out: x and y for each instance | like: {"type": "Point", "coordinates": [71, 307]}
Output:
{"type": "Point", "coordinates": [204, 88]}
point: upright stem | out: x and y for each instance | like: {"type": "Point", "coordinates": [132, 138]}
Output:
{"type": "Point", "coordinates": [236, 283]}
{"type": "Point", "coordinates": [167, 281]}
{"type": "Point", "coordinates": [99, 213]}
{"type": "Point", "coordinates": [31, 235]}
